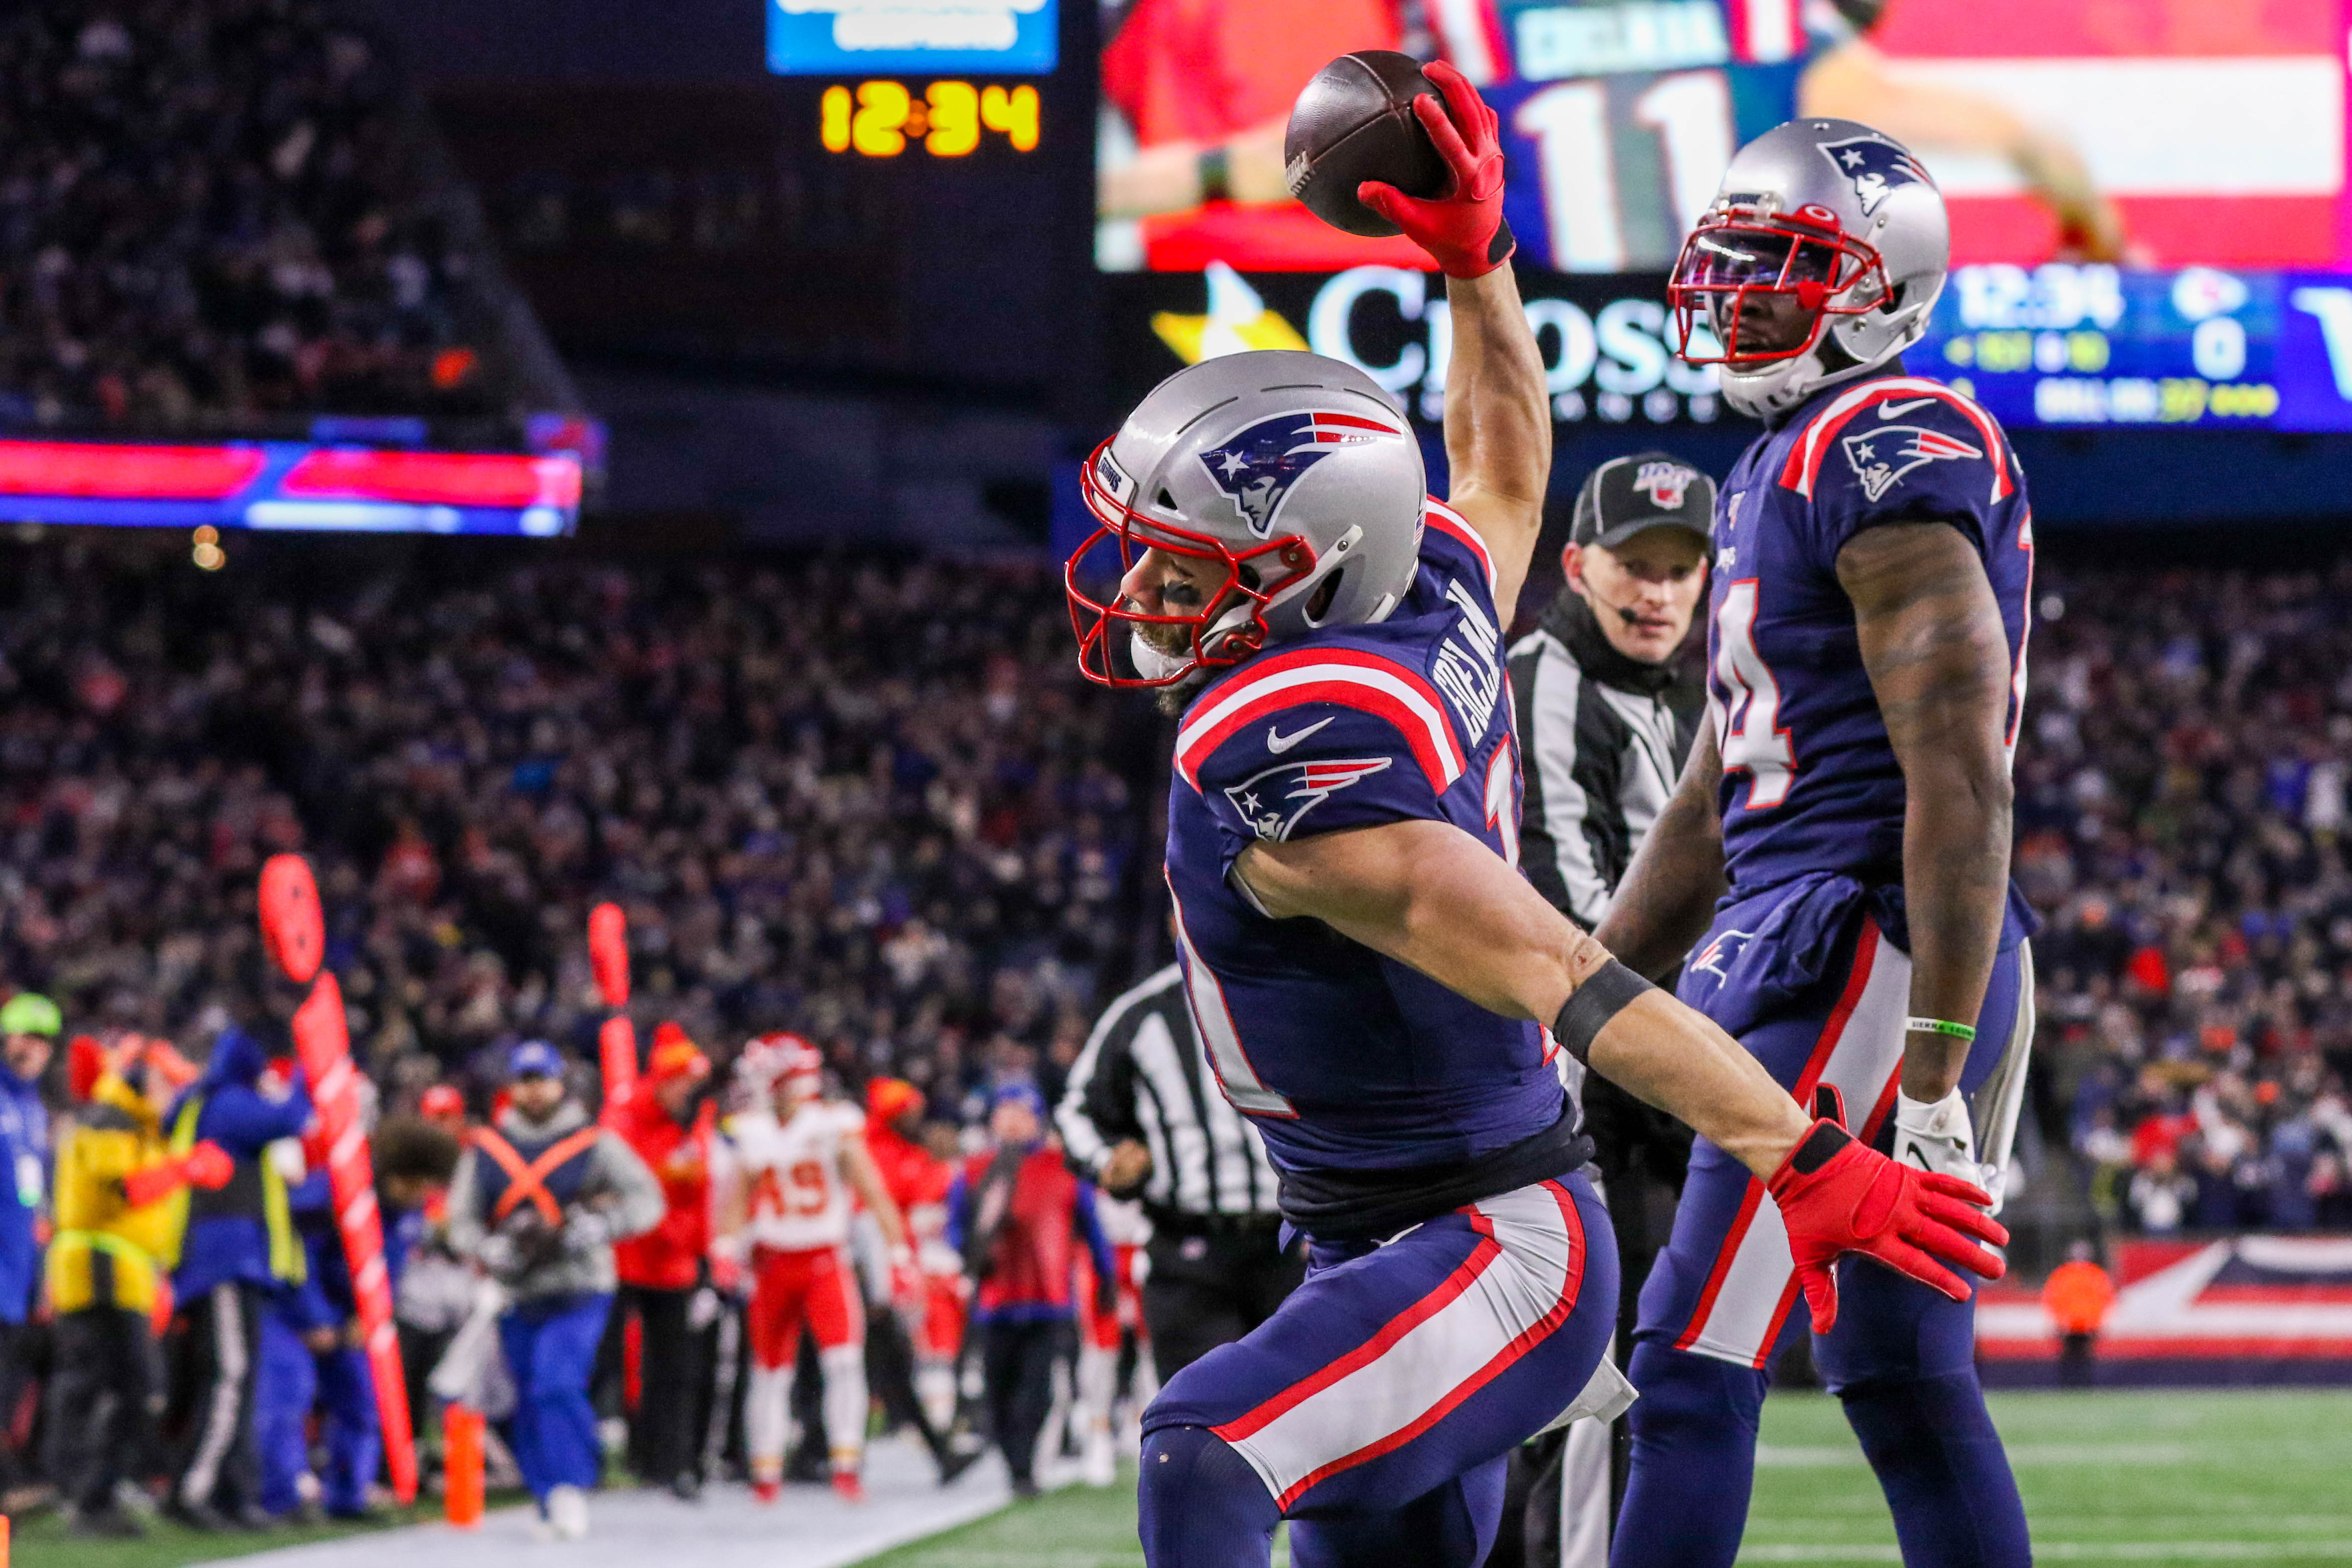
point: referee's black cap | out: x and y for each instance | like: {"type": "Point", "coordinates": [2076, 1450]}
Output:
{"type": "Point", "coordinates": [1626, 496]}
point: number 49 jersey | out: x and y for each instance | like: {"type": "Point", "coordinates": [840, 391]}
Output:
{"type": "Point", "coordinates": [1809, 779]}
{"type": "Point", "coordinates": [791, 1172]}
{"type": "Point", "coordinates": [1344, 1058]}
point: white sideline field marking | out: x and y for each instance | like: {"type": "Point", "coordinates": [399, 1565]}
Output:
{"type": "Point", "coordinates": [1825, 1455]}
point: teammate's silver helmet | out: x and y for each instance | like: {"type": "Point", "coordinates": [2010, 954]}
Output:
{"type": "Point", "coordinates": [1293, 472]}
{"type": "Point", "coordinates": [1835, 216]}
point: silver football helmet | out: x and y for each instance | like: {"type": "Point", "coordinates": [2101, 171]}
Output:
{"type": "Point", "coordinates": [1294, 473]}
{"type": "Point", "coordinates": [1819, 259]}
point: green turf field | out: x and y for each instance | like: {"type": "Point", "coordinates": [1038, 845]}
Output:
{"type": "Point", "coordinates": [2254, 1478]}
{"type": "Point", "coordinates": [45, 1542]}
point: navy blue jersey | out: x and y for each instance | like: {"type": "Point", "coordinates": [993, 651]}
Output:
{"type": "Point", "coordinates": [1345, 1058]}
{"type": "Point", "coordinates": [1810, 780]}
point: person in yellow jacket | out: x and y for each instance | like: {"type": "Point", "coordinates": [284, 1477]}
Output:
{"type": "Point", "coordinates": [121, 1207]}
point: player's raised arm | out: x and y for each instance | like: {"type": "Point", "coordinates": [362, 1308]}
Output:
{"type": "Point", "coordinates": [1427, 894]}
{"type": "Point", "coordinates": [1938, 660]}
{"type": "Point", "coordinates": [1497, 412]}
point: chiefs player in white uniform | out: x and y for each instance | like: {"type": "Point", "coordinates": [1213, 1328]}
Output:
{"type": "Point", "coordinates": [790, 1165]}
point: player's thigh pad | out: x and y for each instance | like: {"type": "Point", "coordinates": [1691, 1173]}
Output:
{"type": "Point", "coordinates": [1385, 1375]}
{"type": "Point", "coordinates": [1723, 1287]}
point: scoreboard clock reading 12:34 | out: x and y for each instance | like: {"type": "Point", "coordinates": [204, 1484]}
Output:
{"type": "Point", "coordinates": [947, 120]}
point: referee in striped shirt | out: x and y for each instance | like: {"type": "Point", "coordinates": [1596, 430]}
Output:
{"type": "Point", "coordinates": [1143, 1117]}
{"type": "Point", "coordinates": [1606, 719]}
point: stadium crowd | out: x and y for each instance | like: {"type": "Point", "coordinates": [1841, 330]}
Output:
{"type": "Point", "coordinates": [2181, 825]}
{"type": "Point", "coordinates": [870, 802]}
{"type": "Point", "coordinates": [873, 803]}
{"type": "Point", "coordinates": [209, 213]}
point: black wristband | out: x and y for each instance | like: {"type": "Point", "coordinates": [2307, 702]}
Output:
{"type": "Point", "coordinates": [1215, 168]}
{"type": "Point", "coordinates": [1600, 998]}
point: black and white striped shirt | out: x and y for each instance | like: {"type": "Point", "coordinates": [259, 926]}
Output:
{"type": "Point", "coordinates": [1143, 1075]}
{"type": "Point", "coordinates": [1603, 739]}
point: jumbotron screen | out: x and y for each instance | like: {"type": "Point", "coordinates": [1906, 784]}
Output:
{"type": "Point", "coordinates": [2145, 133]}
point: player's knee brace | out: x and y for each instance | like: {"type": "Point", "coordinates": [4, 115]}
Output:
{"type": "Point", "coordinates": [1200, 1505]}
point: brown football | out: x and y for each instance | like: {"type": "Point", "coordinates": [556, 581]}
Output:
{"type": "Point", "coordinates": [1354, 122]}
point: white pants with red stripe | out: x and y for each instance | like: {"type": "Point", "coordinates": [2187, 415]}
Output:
{"type": "Point", "coordinates": [1400, 1368]}
{"type": "Point", "coordinates": [1725, 1286]}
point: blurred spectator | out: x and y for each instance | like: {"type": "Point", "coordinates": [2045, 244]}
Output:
{"type": "Point", "coordinates": [239, 1245]}
{"type": "Point", "coordinates": [669, 1123]}
{"type": "Point", "coordinates": [209, 211]}
{"type": "Point", "coordinates": [2160, 1195]}
{"type": "Point", "coordinates": [1019, 1215]}
{"type": "Point", "coordinates": [29, 1026]}
{"type": "Point", "coordinates": [118, 1215]}
{"type": "Point", "coordinates": [538, 1201]}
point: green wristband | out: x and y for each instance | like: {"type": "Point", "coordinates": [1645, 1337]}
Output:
{"type": "Point", "coordinates": [1940, 1026]}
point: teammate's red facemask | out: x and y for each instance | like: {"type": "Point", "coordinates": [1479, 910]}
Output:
{"type": "Point", "coordinates": [1228, 627]}
{"type": "Point", "coordinates": [1742, 255]}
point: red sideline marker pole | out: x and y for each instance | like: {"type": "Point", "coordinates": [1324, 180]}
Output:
{"type": "Point", "coordinates": [616, 1042]}
{"type": "Point", "coordinates": [295, 933]}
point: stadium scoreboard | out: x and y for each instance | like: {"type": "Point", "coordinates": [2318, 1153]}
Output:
{"type": "Point", "coordinates": [2062, 345]}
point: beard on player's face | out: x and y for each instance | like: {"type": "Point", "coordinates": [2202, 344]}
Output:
{"type": "Point", "coordinates": [1165, 583]}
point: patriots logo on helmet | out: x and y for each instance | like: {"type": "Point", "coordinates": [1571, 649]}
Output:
{"type": "Point", "coordinates": [1273, 802]}
{"type": "Point", "coordinates": [1665, 483]}
{"type": "Point", "coordinates": [1256, 468]}
{"type": "Point", "coordinates": [1875, 168]}
{"type": "Point", "coordinates": [1882, 457]}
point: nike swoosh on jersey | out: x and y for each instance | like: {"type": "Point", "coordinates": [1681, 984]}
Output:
{"type": "Point", "coordinates": [1890, 410]}
{"type": "Point", "coordinates": [1278, 743]}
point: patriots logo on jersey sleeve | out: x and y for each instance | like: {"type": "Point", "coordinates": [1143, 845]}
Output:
{"type": "Point", "coordinates": [1273, 802]}
{"type": "Point", "coordinates": [1882, 455]}
{"type": "Point", "coordinates": [1874, 167]}
{"type": "Point", "coordinates": [1256, 468]}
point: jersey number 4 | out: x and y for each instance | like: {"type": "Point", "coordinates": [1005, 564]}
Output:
{"type": "Point", "coordinates": [1750, 734]}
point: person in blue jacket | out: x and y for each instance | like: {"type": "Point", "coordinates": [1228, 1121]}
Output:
{"type": "Point", "coordinates": [29, 1026]}
{"type": "Point", "coordinates": [240, 1246]}
{"type": "Point", "coordinates": [311, 1354]}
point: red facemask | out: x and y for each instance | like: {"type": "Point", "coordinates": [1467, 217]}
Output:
{"type": "Point", "coordinates": [1228, 628]}
{"type": "Point", "coordinates": [1734, 256]}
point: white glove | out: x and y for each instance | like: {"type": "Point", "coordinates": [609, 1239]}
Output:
{"type": "Point", "coordinates": [1935, 1136]}
{"type": "Point", "coordinates": [586, 1229]}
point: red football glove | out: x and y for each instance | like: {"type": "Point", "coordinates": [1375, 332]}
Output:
{"type": "Point", "coordinates": [1462, 230]}
{"type": "Point", "coordinates": [207, 1165]}
{"type": "Point", "coordinates": [1838, 1197]}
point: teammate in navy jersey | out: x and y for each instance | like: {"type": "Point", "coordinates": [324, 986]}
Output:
{"type": "Point", "coordinates": [1835, 861]}
{"type": "Point", "coordinates": [1370, 974]}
